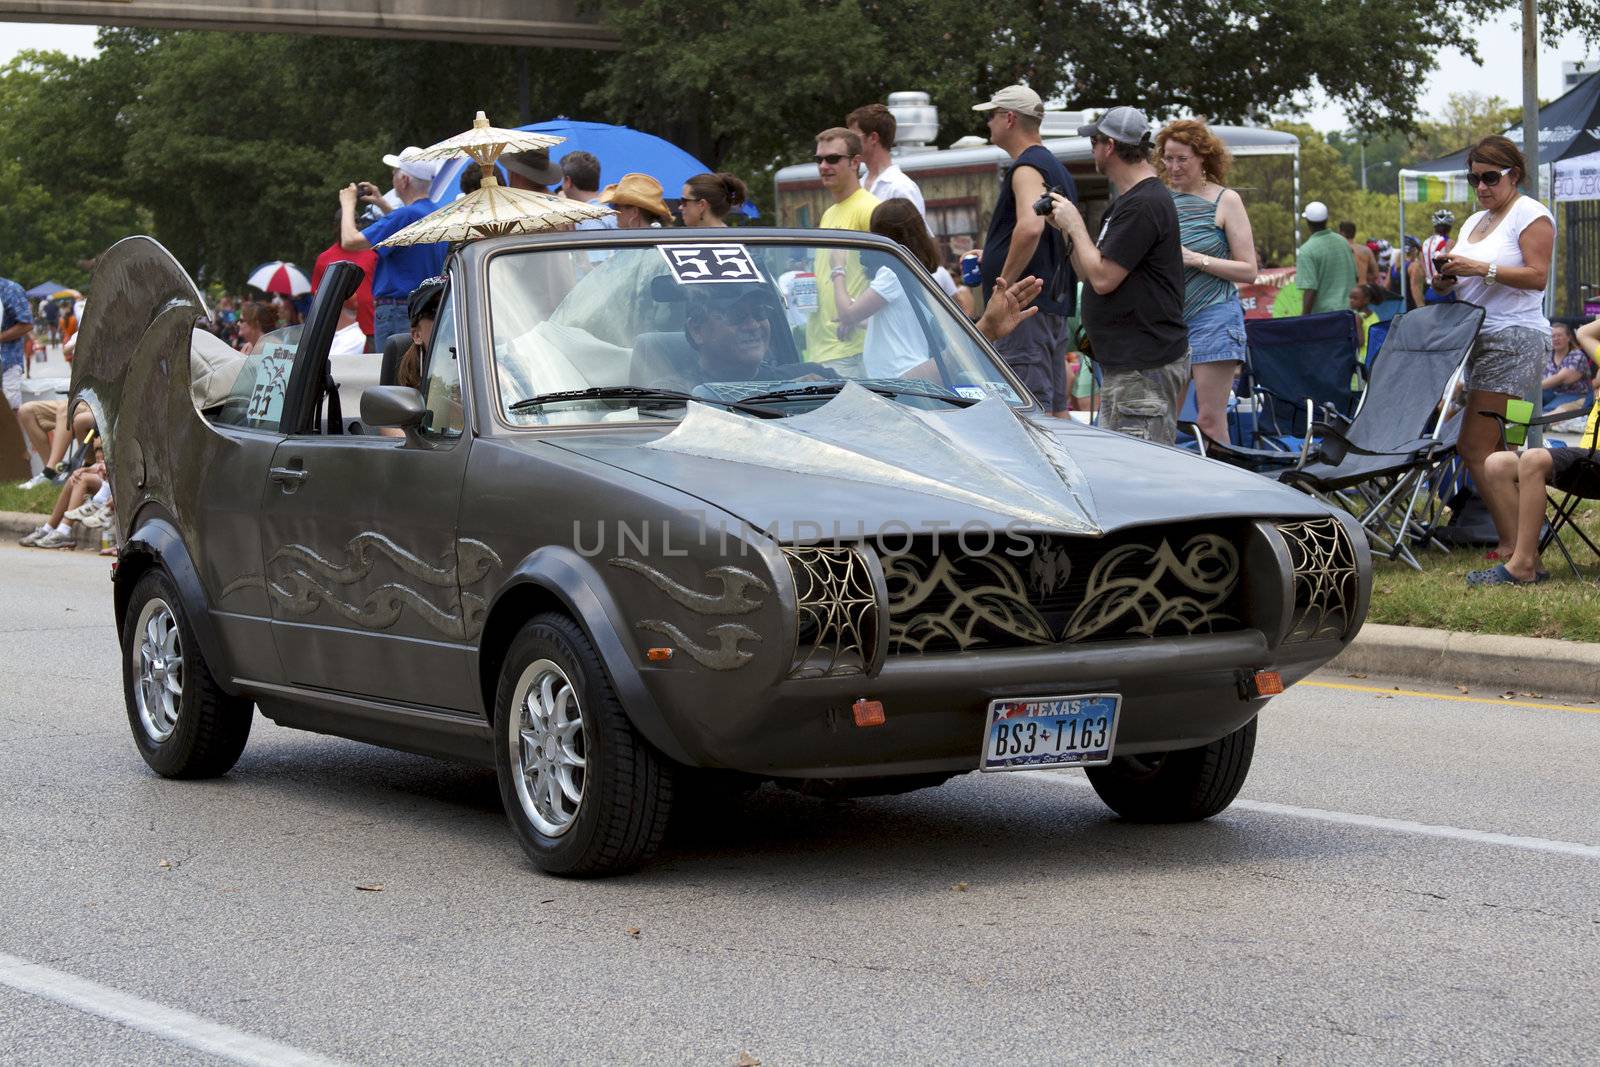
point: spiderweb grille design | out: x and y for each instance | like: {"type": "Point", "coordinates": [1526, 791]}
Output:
{"type": "Point", "coordinates": [1327, 582]}
{"type": "Point", "coordinates": [837, 605]}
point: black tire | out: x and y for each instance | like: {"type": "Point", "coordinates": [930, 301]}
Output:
{"type": "Point", "coordinates": [197, 732]}
{"type": "Point", "coordinates": [624, 786]}
{"type": "Point", "coordinates": [1182, 786]}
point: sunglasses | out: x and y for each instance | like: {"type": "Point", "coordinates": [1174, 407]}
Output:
{"type": "Point", "coordinates": [832, 160]}
{"type": "Point", "coordinates": [1491, 178]}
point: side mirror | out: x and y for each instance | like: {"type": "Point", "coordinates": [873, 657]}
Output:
{"type": "Point", "coordinates": [399, 406]}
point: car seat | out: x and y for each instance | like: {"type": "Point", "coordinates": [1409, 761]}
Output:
{"type": "Point", "coordinates": [663, 359]}
{"type": "Point", "coordinates": [393, 349]}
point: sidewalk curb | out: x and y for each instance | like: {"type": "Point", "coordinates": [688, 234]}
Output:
{"type": "Point", "coordinates": [20, 522]}
{"type": "Point", "coordinates": [1537, 664]}
{"type": "Point", "coordinates": [1495, 661]}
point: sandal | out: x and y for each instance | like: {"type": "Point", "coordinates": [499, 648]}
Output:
{"type": "Point", "coordinates": [1498, 575]}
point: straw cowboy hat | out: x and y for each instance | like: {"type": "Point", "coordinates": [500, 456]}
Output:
{"type": "Point", "coordinates": [640, 191]}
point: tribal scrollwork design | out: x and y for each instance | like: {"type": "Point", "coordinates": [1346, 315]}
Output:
{"type": "Point", "coordinates": [737, 595]}
{"type": "Point", "coordinates": [305, 580]}
{"type": "Point", "coordinates": [836, 602]}
{"type": "Point", "coordinates": [1144, 582]}
{"type": "Point", "coordinates": [966, 594]}
{"type": "Point", "coordinates": [1326, 578]}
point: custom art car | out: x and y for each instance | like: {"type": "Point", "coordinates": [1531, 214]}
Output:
{"type": "Point", "coordinates": [653, 516]}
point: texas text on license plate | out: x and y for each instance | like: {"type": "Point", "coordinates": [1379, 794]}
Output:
{"type": "Point", "coordinates": [1068, 731]}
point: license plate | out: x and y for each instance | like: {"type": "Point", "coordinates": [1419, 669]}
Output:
{"type": "Point", "coordinates": [1067, 731]}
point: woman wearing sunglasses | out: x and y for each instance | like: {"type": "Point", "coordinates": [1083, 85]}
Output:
{"type": "Point", "coordinates": [1501, 262]}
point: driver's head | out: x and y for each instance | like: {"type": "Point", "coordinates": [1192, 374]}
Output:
{"type": "Point", "coordinates": [730, 326]}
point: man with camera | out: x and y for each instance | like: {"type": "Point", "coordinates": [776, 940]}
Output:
{"type": "Point", "coordinates": [402, 269]}
{"type": "Point", "coordinates": [1020, 245]}
{"type": "Point", "coordinates": [1133, 296]}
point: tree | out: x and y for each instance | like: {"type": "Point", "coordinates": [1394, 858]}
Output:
{"type": "Point", "coordinates": [1467, 117]}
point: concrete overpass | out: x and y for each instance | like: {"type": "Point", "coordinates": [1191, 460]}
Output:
{"type": "Point", "coordinates": [537, 23]}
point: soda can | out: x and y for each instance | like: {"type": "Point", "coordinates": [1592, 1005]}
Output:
{"type": "Point", "coordinates": [971, 271]}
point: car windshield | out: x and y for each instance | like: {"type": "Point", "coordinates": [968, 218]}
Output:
{"type": "Point", "coordinates": [627, 333]}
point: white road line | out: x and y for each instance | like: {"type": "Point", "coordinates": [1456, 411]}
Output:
{"type": "Point", "coordinates": [1377, 822]}
{"type": "Point", "coordinates": [170, 1024]}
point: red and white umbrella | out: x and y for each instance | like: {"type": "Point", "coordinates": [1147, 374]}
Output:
{"type": "Point", "coordinates": [280, 277]}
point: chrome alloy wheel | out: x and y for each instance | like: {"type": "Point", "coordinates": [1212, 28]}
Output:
{"type": "Point", "coordinates": [159, 691]}
{"type": "Point", "coordinates": [547, 736]}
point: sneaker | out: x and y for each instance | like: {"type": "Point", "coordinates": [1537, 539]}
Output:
{"type": "Point", "coordinates": [83, 511]}
{"type": "Point", "coordinates": [35, 482]}
{"type": "Point", "coordinates": [98, 518]}
{"type": "Point", "coordinates": [37, 535]}
{"type": "Point", "coordinates": [58, 539]}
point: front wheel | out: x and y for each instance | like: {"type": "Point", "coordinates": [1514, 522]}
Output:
{"type": "Point", "coordinates": [586, 795]}
{"type": "Point", "coordinates": [1181, 786]}
{"type": "Point", "coordinates": [183, 722]}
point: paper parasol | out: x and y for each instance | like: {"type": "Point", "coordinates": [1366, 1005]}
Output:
{"type": "Point", "coordinates": [484, 143]}
{"type": "Point", "coordinates": [494, 211]}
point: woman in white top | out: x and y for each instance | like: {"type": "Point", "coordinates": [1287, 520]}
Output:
{"type": "Point", "coordinates": [1501, 261]}
{"type": "Point", "coordinates": [895, 345]}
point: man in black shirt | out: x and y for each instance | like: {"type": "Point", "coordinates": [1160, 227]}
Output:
{"type": "Point", "coordinates": [1133, 299]}
{"type": "Point", "coordinates": [1019, 245]}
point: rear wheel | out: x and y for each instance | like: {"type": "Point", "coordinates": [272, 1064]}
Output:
{"type": "Point", "coordinates": [1180, 786]}
{"type": "Point", "coordinates": [585, 794]}
{"type": "Point", "coordinates": [184, 724]}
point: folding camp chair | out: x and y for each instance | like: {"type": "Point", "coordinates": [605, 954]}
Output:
{"type": "Point", "coordinates": [1561, 505]}
{"type": "Point", "coordinates": [1297, 370]}
{"type": "Point", "coordinates": [1379, 465]}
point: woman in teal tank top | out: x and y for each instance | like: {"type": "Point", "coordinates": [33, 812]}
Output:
{"type": "Point", "coordinates": [1219, 251]}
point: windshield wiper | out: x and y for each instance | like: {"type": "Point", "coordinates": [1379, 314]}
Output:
{"type": "Point", "coordinates": [634, 392]}
{"type": "Point", "coordinates": [830, 388]}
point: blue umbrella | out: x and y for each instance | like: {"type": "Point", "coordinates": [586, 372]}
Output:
{"type": "Point", "coordinates": [620, 150]}
{"type": "Point", "coordinates": [44, 292]}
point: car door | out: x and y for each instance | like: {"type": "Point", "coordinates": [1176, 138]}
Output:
{"type": "Point", "coordinates": [361, 556]}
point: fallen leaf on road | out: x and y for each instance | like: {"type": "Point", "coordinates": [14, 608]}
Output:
{"type": "Point", "coordinates": [633, 932]}
{"type": "Point", "coordinates": [373, 888]}
{"type": "Point", "coordinates": [1462, 688]}
{"type": "Point", "coordinates": [746, 1060]}
{"type": "Point", "coordinates": [552, 900]}
{"type": "Point", "coordinates": [165, 865]}
{"type": "Point", "coordinates": [1357, 676]}
{"type": "Point", "coordinates": [960, 887]}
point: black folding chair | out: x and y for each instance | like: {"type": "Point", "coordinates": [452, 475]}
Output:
{"type": "Point", "coordinates": [1379, 464]}
{"type": "Point", "coordinates": [1560, 509]}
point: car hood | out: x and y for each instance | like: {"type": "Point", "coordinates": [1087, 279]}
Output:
{"type": "Point", "coordinates": [862, 464]}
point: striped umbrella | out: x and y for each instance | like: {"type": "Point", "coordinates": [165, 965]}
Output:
{"type": "Point", "coordinates": [279, 277]}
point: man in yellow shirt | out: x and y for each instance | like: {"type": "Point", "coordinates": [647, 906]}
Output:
{"type": "Point", "coordinates": [838, 163]}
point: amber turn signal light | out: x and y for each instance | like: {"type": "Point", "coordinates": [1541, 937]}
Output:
{"type": "Point", "coordinates": [868, 712]}
{"type": "Point", "coordinates": [658, 655]}
{"type": "Point", "coordinates": [1267, 683]}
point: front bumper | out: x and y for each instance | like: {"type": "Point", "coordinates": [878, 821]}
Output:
{"type": "Point", "coordinates": [1177, 693]}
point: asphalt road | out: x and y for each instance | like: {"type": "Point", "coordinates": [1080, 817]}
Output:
{"type": "Point", "coordinates": [1410, 878]}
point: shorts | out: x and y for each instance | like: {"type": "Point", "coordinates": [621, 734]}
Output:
{"type": "Point", "coordinates": [1216, 333]}
{"type": "Point", "coordinates": [1144, 403]}
{"type": "Point", "coordinates": [1035, 351]}
{"type": "Point", "coordinates": [11, 387]}
{"type": "Point", "coordinates": [1575, 471]}
{"type": "Point", "coordinates": [1509, 361]}
{"type": "Point", "coordinates": [49, 413]}
{"type": "Point", "coordinates": [1083, 384]}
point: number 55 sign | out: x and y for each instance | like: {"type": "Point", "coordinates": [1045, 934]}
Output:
{"type": "Point", "coordinates": [702, 264]}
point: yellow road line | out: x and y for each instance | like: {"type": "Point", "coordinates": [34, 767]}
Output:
{"type": "Point", "coordinates": [1451, 697]}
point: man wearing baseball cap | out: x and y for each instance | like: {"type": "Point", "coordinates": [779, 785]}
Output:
{"type": "Point", "coordinates": [400, 269]}
{"type": "Point", "coordinates": [1019, 245]}
{"type": "Point", "coordinates": [1133, 296]}
{"type": "Point", "coordinates": [1324, 266]}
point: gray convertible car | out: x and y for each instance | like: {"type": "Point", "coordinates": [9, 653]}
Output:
{"type": "Point", "coordinates": [653, 522]}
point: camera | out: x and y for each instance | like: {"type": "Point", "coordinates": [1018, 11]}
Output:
{"type": "Point", "coordinates": [1044, 205]}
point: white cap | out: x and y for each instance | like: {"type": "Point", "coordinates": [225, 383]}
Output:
{"type": "Point", "coordinates": [406, 163]}
{"type": "Point", "coordinates": [1316, 211]}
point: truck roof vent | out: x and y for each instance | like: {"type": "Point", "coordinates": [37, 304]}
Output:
{"type": "Point", "coordinates": [916, 121]}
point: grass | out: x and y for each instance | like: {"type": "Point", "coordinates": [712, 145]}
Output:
{"type": "Point", "coordinates": [36, 501]}
{"type": "Point", "coordinates": [1439, 598]}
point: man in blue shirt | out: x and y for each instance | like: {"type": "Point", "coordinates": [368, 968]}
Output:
{"type": "Point", "coordinates": [16, 321]}
{"type": "Point", "coordinates": [400, 269]}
